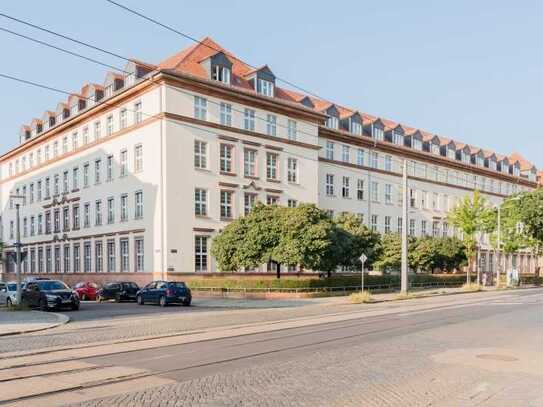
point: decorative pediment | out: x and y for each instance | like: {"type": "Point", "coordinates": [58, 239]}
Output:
{"type": "Point", "coordinates": [252, 186]}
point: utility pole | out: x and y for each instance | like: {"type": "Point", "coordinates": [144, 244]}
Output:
{"type": "Point", "coordinates": [363, 259]}
{"type": "Point", "coordinates": [498, 246]}
{"type": "Point", "coordinates": [404, 231]}
{"type": "Point", "coordinates": [18, 248]}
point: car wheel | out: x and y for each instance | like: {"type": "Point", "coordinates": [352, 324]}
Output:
{"type": "Point", "coordinates": [139, 300]}
{"type": "Point", "coordinates": [9, 303]}
{"type": "Point", "coordinates": [75, 306]}
{"type": "Point", "coordinates": [162, 301]}
{"type": "Point", "coordinates": [187, 302]}
{"type": "Point", "coordinates": [43, 305]}
{"type": "Point", "coordinates": [117, 297]}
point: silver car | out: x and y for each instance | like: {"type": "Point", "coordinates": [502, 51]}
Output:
{"type": "Point", "coordinates": [8, 294]}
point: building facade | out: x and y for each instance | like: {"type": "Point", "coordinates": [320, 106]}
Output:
{"type": "Point", "coordinates": [132, 179]}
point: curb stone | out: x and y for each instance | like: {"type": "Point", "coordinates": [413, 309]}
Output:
{"type": "Point", "coordinates": [61, 320]}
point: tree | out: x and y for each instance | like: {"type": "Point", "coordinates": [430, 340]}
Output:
{"type": "Point", "coordinates": [473, 217]}
{"type": "Point", "coordinates": [453, 253]}
{"type": "Point", "coordinates": [442, 253]}
{"type": "Point", "coordinates": [390, 251]}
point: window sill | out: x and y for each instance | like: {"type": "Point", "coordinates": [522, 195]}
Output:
{"type": "Point", "coordinates": [251, 177]}
{"type": "Point", "coordinates": [227, 219]}
{"type": "Point", "coordinates": [201, 216]}
{"type": "Point", "coordinates": [276, 181]}
{"type": "Point", "coordinates": [229, 174]}
{"type": "Point", "coordinates": [202, 169]}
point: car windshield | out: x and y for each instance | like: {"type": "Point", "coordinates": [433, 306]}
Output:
{"type": "Point", "coordinates": [52, 285]}
{"type": "Point", "coordinates": [131, 285]}
{"type": "Point", "coordinates": [12, 287]}
{"type": "Point", "coordinates": [178, 284]}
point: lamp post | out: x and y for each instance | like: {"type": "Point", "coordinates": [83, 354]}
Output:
{"type": "Point", "coordinates": [498, 246]}
{"type": "Point", "coordinates": [18, 245]}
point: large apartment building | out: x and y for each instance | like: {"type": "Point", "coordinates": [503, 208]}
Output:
{"type": "Point", "coordinates": [133, 178]}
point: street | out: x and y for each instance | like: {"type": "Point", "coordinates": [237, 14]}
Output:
{"type": "Point", "coordinates": [471, 349]}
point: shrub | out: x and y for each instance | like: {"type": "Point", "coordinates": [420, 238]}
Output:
{"type": "Point", "coordinates": [361, 297]}
{"type": "Point", "coordinates": [471, 287]}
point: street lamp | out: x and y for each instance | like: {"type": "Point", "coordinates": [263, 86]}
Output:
{"type": "Point", "coordinates": [18, 245]}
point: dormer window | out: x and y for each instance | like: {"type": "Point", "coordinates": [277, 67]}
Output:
{"type": "Point", "coordinates": [505, 168]}
{"type": "Point", "coordinates": [451, 153]}
{"type": "Point", "coordinates": [464, 157]}
{"type": "Point", "coordinates": [265, 87]}
{"type": "Point", "coordinates": [221, 74]}
{"type": "Point", "coordinates": [516, 171]}
{"type": "Point", "coordinates": [108, 90]}
{"type": "Point", "coordinates": [378, 133]}
{"type": "Point", "coordinates": [332, 122]}
{"type": "Point", "coordinates": [435, 149]}
{"type": "Point", "coordinates": [59, 118]}
{"type": "Point", "coordinates": [129, 79]}
{"type": "Point", "coordinates": [356, 127]}
{"type": "Point", "coordinates": [417, 144]}
{"type": "Point", "coordinates": [492, 165]}
{"type": "Point", "coordinates": [397, 138]}
{"type": "Point", "coordinates": [479, 161]}
{"type": "Point", "coordinates": [73, 109]}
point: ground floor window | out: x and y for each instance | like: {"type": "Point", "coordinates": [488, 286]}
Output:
{"type": "Point", "coordinates": [200, 251]}
{"type": "Point", "coordinates": [98, 257]}
{"type": "Point", "coordinates": [138, 243]}
{"type": "Point", "coordinates": [66, 258]}
{"type": "Point", "coordinates": [125, 263]}
{"type": "Point", "coordinates": [77, 257]}
{"type": "Point", "coordinates": [87, 257]}
{"type": "Point", "coordinates": [111, 256]}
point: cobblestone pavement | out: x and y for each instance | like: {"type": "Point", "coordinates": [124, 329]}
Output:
{"type": "Point", "coordinates": [390, 369]}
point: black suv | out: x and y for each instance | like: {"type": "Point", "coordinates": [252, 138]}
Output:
{"type": "Point", "coordinates": [47, 294]}
{"type": "Point", "coordinates": [118, 291]}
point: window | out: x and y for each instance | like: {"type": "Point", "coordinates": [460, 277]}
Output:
{"type": "Point", "coordinates": [271, 125]}
{"type": "Point", "coordinates": [200, 253]}
{"type": "Point", "coordinates": [77, 257]}
{"type": "Point", "coordinates": [38, 198]}
{"type": "Point", "coordinates": [57, 259]}
{"type": "Point", "coordinates": [249, 119]}
{"type": "Point", "coordinates": [329, 150]}
{"type": "Point", "coordinates": [125, 259]}
{"type": "Point", "coordinates": [109, 125]}
{"type": "Point", "coordinates": [400, 225]}
{"type": "Point", "coordinates": [355, 127]}
{"type": "Point", "coordinates": [345, 191]}
{"type": "Point", "coordinates": [373, 224]}
{"type": "Point", "coordinates": [225, 157]}
{"type": "Point", "coordinates": [397, 137]}
{"type": "Point", "coordinates": [75, 141]}
{"type": "Point", "coordinates": [226, 114]}
{"type": "Point", "coordinates": [332, 122]}
{"type": "Point", "coordinates": [272, 200]}
{"type": "Point", "coordinates": [25, 227]}
{"type": "Point", "coordinates": [200, 108]}
{"type": "Point", "coordinates": [87, 257]}
{"type": "Point", "coordinates": [249, 163]}
{"type": "Point", "coordinates": [292, 131]}
{"type": "Point", "coordinates": [221, 74]}
{"type": "Point", "coordinates": [388, 163]}
{"type": "Point", "coordinates": [31, 193]}
{"type": "Point", "coordinates": [271, 166]}
{"type": "Point", "coordinates": [411, 227]}
{"type": "Point", "coordinates": [98, 256]}
{"type": "Point", "coordinates": [435, 228]}
{"type": "Point", "coordinates": [329, 184]}
{"type": "Point", "coordinates": [40, 260]}
{"type": "Point", "coordinates": [97, 171]}
{"type": "Point", "coordinates": [200, 202]}
{"type": "Point", "coordinates": [66, 219]}
{"type": "Point", "coordinates": [138, 243]}
{"type": "Point", "coordinates": [32, 226]}
{"type": "Point", "coordinates": [98, 213]}
{"type": "Point", "coordinates": [388, 193]}
{"type": "Point", "coordinates": [110, 210]}
{"type": "Point", "coordinates": [123, 163]}
{"type": "Point", "coordinates": [378, 133]}
{"type": "Point", "coordinates": [86, 175]}
{"type": "Point", "coordinates": [46, 156]}
{"type": "Point", "coordinates": [56, 220]}
{"type": "Point", "coordinates": [66, 258]}
{"type": "Point", "coordinates": [387, 224]}
{"type": "Point", "coordinates": [138, 158]}
{"type": "Point", "coordinates": [292, 203]}
{"type": "Point", "coordinates": [435, 202]}
{"type": "Point", "coordinates": [360, 189]}
{"type": "Point", "coordinates": [345, 154]}
{"type": "Point", "coordinates": [56, 185]}
{"type": "Point", "coordinates": [85, 136]}
{"type": "Point", "coordinates": [137, 112]}
{"type": "Point", "coordinates": [11, 229]}
{"type": "Point", "coordinates": [374, 159]}
{"type": "Point", "coordinates": [75, 179]}
{"type": "Point", "coordinates": [124, 207]}
{"type": "Point", "coordinates": [265, 87]}
{"type": "Point", "coordinates": [122, 119]}
{"type": "Point", "coordinates": [417, 144]}
{"type": "Point", "coordinates": [292, 170]}
{"type": "Point", "coordinates": [109, 168]}
{"type": "Point", "coordinates": [40, 224]}
{"type": "Point", "coordinates": [360, 157]}
{"type": "Point", "coordinates": [75, 216]}
{"type": "Point", "coordinates": [138, 196]}
{"type": "Point", "coordinates": [226, 204]}
{"type": "Point", "coordinates": [423, 228]}
{"type": "Point", "coordinates": [249, 200]}
{"type": "Point", "coordinates": [374, 191]}
{"type": "Point", "coordinates": [97, 130]}
{"type": "Point", "coordinates": [111, 256]}
{"type": "Point", "coordinates": [445, 229]}
{"type": "Point", "coordinates": [200, 154]}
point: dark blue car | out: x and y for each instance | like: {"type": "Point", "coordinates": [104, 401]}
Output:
{"type": "Point", "coordinates": [164, 293]}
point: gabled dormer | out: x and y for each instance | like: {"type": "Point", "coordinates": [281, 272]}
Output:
{"type": "Point", "coordinates": [396, 135]}
{"type": "Point", "coordinates": [76, 103]}
{"type": "Point", "coordinates": [135, 70]}
{"type": "Point", "coordinates": [48, 120]}
{"type": "Point", "coordinates": [478, 158]}
{"type": "Point", "coordinates": [464, 154]}
{"type": "Point", "coordinates": [24, 133]}
{"type": "Point", "coordinates": [93, 93]}
{"type": "Point", "coordinates": [61, 113]}
{"type": "Point", "coordinates": [218, 67]}
{"type": "Point", "coordinates": [449, 149]}
{"type": "Point", "coordinates": [433, 145]}
{"type": "Point", "coordinates": [377, 130]}
{"type": "Point", "coordinates": [414, 139]}
{"type": "Point", "coordinates": [332, 122]}
{"type": "Point", "coordinates": [504, 165]}
{"type": "Point", "coordinates": [113, 83]}
{"type": "Point", "coordinates": [352, 122]}
{"type": "Point", "coordinates": [262, 80]}
{"type": "Point", "coordinates": [35, 127]}
{"type": "Point", "coordinates": [491, 161]}
{"type": "Point", "coordinates": [514, 169]}
{"type": "Point", "coordinates": [307, 102]}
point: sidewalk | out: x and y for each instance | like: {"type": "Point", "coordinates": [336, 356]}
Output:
{"type": "Point", "coordinates": [19, 322]}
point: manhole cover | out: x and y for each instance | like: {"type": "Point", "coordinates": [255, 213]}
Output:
{"type": "Point", "coordinates": [501, 358]}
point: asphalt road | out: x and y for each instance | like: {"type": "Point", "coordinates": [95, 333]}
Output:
{"type": "Point", "coordinates": [402, 359]}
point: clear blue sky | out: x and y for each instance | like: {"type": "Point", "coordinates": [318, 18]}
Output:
{"type": "Point", "coordinates": [469, 70]}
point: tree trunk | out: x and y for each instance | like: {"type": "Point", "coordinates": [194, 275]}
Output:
{"type": "Point", "coordinates": [278, 271]}
{"type": "Point", "coordinates": [468, 274]}
{"type": "Point", "coordinates": [477, 268]}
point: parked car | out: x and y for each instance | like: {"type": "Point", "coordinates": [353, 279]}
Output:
{"type": "Point", "coordinates": [8, 293]}
{"type": "Point", "coordinates": [47, 294]}
{"type": "Point", "coordinates": [164, 293]}
{"type": "Point", "coordinates": [118, 291]}
{"type": "Point", "coordinates": [86, 291]}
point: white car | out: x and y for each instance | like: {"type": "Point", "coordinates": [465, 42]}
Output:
{"type": "Point", "coordinates": [8, 294]}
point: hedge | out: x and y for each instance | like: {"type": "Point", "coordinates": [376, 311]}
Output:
{"type": "Point", "coordinates": [336, 281]}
